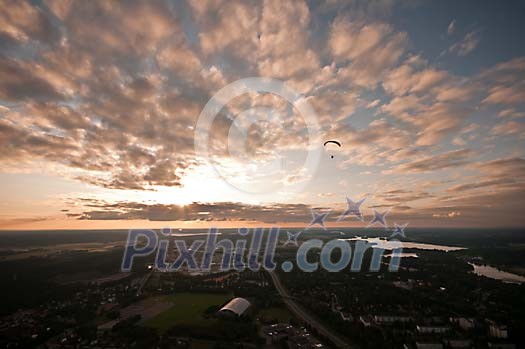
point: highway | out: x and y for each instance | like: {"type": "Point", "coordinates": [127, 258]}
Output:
{"type": "Point", "coordinates": [302, 314]}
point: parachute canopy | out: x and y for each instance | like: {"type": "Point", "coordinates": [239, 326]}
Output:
{"type": "Point", "coordinates": [335, 142]}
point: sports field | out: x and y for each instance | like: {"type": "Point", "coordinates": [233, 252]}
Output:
{"type": "Point", "coordinates": [187, 309]}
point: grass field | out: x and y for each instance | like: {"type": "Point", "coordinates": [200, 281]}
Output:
{"type": "Point", "coordinates": [187, 309]}
{"type": "Point", "coordinates": [274, 313]}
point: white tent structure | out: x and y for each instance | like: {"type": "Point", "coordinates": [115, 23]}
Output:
{"type": "Point", "coordinates": [236, 307]}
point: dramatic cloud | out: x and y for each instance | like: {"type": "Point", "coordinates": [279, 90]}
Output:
{"type": "Point", "coordinates": [509, 128]}
{"type": "Point", "coordinates": [106, 95]}
{"type": "Point", "coordinates": [508, 82]}
{"type": "Point", "coordinates": [22, 80]}
{"type": "Point", "coordinates": [438, 162]}
{"type": "Point", "coordinates": [219, 211]}
{"type": "Point", "coordinates": [365, 50]}
{"type": "Point", "coordinates": [406, 79]}
{"type": "Point", "coordinates": [22, 22]}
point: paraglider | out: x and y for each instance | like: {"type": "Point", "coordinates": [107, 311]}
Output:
{"type": "Point", "coordinates": [334, 142]}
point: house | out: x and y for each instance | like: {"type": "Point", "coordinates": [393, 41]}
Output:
{"type": "Point", "coordinates": [429, 345]}
{"type": "Point", "coordinates": [366, 320]}
{"type": "Point", "coordinates": [459, 343]}
{"type": "Point", "coordinates": [432, 329]}
{"type": "Point", "coordinates": [497, 331]}
{"type": "Point", "coordinates": [391, 318]}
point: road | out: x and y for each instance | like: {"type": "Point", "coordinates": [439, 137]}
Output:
{"type": "Point", "coordinates": [144, 282]}
{"type": "Point", "coordinates": [302, 314]}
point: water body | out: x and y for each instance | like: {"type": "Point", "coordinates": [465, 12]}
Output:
{"type": "Point", "coordinates": [403, 255]}
{"type": "Point", "coordinates": [495, 273]}
{"type": "Point", "coordinates": [389, 245]}
{"type": "Point", "coordinates": [422, 246]}
{"type": "Point", "coordinates": [191, 234]}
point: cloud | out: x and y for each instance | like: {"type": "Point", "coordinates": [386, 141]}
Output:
{"type": "Point", "coordinates": [508, 72]}
{"type": "Point", "coordinates": [197, 211]}
{"type": "Point", "coordinates": [485, 184]}
{"type": "Point", "coordinates": [365, 51]}
{"type": "Point", "coordinates": [112, 28]}
{"type": "Point", "coordinates": [285, 50]}
{"type": "Point", "coordinates": [227, 26]}
{"type": "Point", "coordinates": [400, 197]}
{"type": "Point", "coordinates": [451, 214]}
{"type": "Point", "coordinates": [470, 128]}
{"type": "Point", "coordinates": [405, 79]}
{"type": "Point", "coordinates": [108, 93]}
{"type": "Point", "coordinates": [22, 22]}
{"type": "Point", "coordinates": [23, 80]}
{"type": "Point", "coordinates": [494, 196]}
{"type": "Point", "coordinates": [512, 166]}
{"type": "Point", "coordinates": [363, 9]}
{"type": "Point", "coordinates": [179, 59]}
{"type": "Point", "coordinates": [509, 128]}
{"type": "Point", "coordinates": [334, 106]}
{"type": "Point", "coordinates": [495, 176]}
{"type": "Point", "coordinates": [506, 82]}
{"type": "Point", "coordinates": [466, 45]}
{"type": "Point", "coordinates": [374, 103]}
{"type": "Point", "coordinates": [431, 101]}
{"type": "Point", "coordinates": [511, 113]}
{"type": "Point", "coordinates": [380, 141]}
{"type": "Point", "coordinates": [441, 161]}
{"type": "Point", "coordinates": [451, 27]}
{"type": "Point", "coordinates": [433, 121]}
{"type": "Point", "coordinates": [505, 95]}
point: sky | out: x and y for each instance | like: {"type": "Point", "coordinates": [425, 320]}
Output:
{"type": "Point", "coordinates": [102, 105]}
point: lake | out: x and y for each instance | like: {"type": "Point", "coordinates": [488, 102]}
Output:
{"type": "Point", "coordinates": [495, 273]}
{"type": "Point", "coordinates": [389, 245]}
{"type": "Point", "coordinates": [403, 255]}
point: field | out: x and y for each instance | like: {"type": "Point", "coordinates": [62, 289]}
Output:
{"type": "Point", "coordinates": [274, 313]}
{"type": "Point", "coordinates": [187, 310]}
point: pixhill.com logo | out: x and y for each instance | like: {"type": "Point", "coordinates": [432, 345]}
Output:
{"type": "Point", "coordinates": [255, 249]}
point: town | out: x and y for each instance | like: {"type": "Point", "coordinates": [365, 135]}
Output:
{"type": "Point", "coordinates": [422, 305]}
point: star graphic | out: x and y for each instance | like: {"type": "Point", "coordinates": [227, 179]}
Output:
{"type": "Point", "coordinates": [318, 218]}
{"type": "Point", "coordinates": [379, 218]}
{"type": "Point", "coordinates": [292, 238]}
{"type": "Point", "coordinates": [353, 209]}
{"type": "Point", "coordinates": [399, 230]}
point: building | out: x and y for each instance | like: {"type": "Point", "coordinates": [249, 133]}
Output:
{"type": "Point", "coordinates": [459, 343]}
{"type": "Point", "coordinates": [366, 320]}
{"type": "Point", "coordinates": [429, 345]}
{"type": "Point", "coordinates": [464, 323]}
{"type": "Point", "coordinates": [497, 331]}
{"type": "Point", "coordinates": [380, 319]}
{"type": "Point", "coordinates": [277, 332]}
{"type": "Point", "coordinates": [501, 345]}
{"type": "Point", "coordinates": [346, 316]}
{"type": "Point", "coordinates": [432, 329]}
{"type": "Point", "coordinates": [237, 307]}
